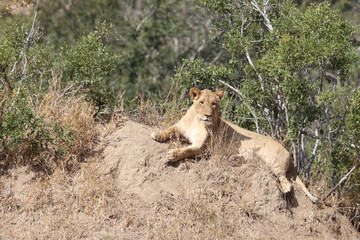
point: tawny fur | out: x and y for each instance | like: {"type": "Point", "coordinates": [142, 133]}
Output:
{"type": "Point", "coordinates": [202, 121]}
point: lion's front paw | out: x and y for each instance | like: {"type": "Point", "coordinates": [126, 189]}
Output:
{"type": "Point", "coordinates": [158, 136]}
{"type": "Point", "coordinates": [173, 155]}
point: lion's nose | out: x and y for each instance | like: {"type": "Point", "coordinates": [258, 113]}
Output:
{"type": "Point", "coordinates": [208, 115]}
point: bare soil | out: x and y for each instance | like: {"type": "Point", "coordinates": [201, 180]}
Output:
{"type": "Point", "coordinates": [127, 191]}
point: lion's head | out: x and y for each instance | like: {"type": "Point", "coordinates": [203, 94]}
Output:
{"type": "Point", "coordinates": [206, 103]}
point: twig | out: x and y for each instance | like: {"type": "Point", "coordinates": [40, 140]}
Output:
{"type": "Point", "coordinates": [248, 55]}
{"type": "Point", "coordinates": [242, 96]}
{"type": "Point", "coordinates": [142, 21]}
{"type": "Point", "coordinates": [342, 180]}
{"type": "Point", "coordinates": [6, 79]}
{"type": "Point", "coordinates": [81, 97]}
{"type": "Point", "coordinates": [292, 141]}
{"type": "Point", "coordinates": [218, 55]}
{"type": "Point", "coordinates": [312, 135]}
{"type": "Point", "coordinates": [263, 13]}
{"type": "Point", "coordinates": [312, 158]}
{"type": "Point", "coordinates": [61, 95]}
{"type": "Point", "coordinates": [30, 40]}
{"type": "Point", "coordinates": [75, 91]}
{"type": "Point", "coordinates": [248, 118]}
{"type": "Point", "coordinates": [356, 215]}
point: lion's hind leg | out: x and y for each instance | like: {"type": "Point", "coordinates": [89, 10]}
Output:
{"type": "Point", "coordinates": [285, 184]}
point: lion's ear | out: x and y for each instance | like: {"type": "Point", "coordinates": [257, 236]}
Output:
{"type": "Point", "coordinates": [195, 93]}
{"type": "Point", "coordinates": [220, 93]}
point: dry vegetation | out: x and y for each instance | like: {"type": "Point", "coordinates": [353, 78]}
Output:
{"type": "Point", "coordinates": [114, 184]}
{"type": "Point", "coordinates": [60, 113]}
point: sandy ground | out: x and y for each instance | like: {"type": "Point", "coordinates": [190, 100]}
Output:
{"type": "Point", "coordinates": [127, 191]}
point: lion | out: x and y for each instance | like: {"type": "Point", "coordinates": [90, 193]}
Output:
{"type": "Point", "coordinates": [202, 122]}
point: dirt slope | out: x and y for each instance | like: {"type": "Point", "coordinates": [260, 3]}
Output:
{"type": "Point", "coordinates": [128, 191]}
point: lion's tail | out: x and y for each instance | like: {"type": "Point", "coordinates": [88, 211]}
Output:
{"type": "Point", "coordinates": [302, 185]}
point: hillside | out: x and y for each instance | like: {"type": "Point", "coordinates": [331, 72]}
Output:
{"type": "Point", "coordinates": [127, 191]}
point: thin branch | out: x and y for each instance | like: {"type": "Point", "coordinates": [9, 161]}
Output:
{"type": "Point", "coordinates": [248, 118]}
{"type": "Point", "coordinates": [255, 6]}
{"type": "Point", "coordinates": [248, 106]}
{"type": "Point", "coordinates": [249, 60]}
{"type": "Point", "coordinates": [342, 180]}
{"type": "Point", "coordinates": [312, 158]}
{"type": "Point", "coordinates": [266, 113]}
{"type": "Point", "coordinates": [334, 76]}
{"type": "Point", "coordinates": [75, 91]}
{"type": "Point", "coordinates": [302, 151]}
{"type": "Point", "coordinates": [356, 215]}
{"type": "Point", "coordinates": [312, 135]}
{"type": "Point", "coordinates": [326, 138]}
{"type": "Point", "coordinates": [6, 79]}
{"type": "Point", "coordinates": [294, 147]}
{"type": "Point", "coordinates": [292, 141]}
{"type": "Point", "coordinates": [144, 20]}
{"type": "Point", "coordinates": [248, 55]}
{"type": "Point", "coordinates": [32, 37]}
{"type": "Point", "coordinates": [218, 55]}
{"type": "Point", "coordinates": [61, 95]}
{"type": "Point", "coordinates": [64, 108]}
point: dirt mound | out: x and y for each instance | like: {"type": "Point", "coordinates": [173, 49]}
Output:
{"type": "Point", "coordinates": [129, 192]}
{"type": "Point", "coordinates": [138, 164]}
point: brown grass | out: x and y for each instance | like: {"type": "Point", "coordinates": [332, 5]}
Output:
{"type": "Point", "coordinates": [195, 215]}
{"type": "Point", "coordinates": [212, 209]}
{"type": "Point", "coordinates": [73, 116]}
{"type": "Point", "coordinates": [62, 208]}
{"type": "Point", "coordinates": [71, 111]}
{"type": "Point", "coordinates": [204, 211]}
{"type": "Point", "coordinates": [158, 113]}
{"type": "Point", "coordinates": [224, 203]}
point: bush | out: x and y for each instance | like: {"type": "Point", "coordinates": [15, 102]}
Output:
{"type": "Point", "coordinates": [43, 123]}
{"type": "Point", "coordinates": [88, 64]}
{"type": "Point", "coordinates": [289, 72]}
{"type": "Point", "coordinates": [26, 137]}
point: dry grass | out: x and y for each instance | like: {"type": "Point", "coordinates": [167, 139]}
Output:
{"type": "Point", "coordinates": [62, 206]}
{"type": "Point", "coordinates": [208, 210]}
{"type": "Point", "coordinates": [71, 111]}
{"type": "Point", "coordinates": [195, 215]}
{"type": "Point", "coordinates": [224, 203]}
{"type": "Point", "coordinates": [63, 135]}
{"type": "Point", "coordinates": [63, 203]}
{"type": "Point", "coordinates": [153, 113]}
{"type": "Point", "coordinates": [211, 209]}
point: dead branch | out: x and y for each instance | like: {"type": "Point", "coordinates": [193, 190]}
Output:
{"type": "Point", "coordinates": [248, 106]}
{"type": "Point", "coordinates": [31, 38]}
{"type": "Point", "coordinates": [263, 12]}
{"type": "Point", "coordinates": [312, 158]}
{"type": "Point", "coordinates": [6, 79]}
{"type": "Point", "coordinates": [144, 20]}
{"type": "Point", "coordinates": [292, 142]}
{"type": "Point", "coordinates": [342, 179]}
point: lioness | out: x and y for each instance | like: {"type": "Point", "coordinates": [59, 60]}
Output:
{"type": "Point", "coordinates": [202, 121]}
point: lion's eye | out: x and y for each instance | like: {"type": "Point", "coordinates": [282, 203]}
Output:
{"type": "Point", "coordinates": [214, 104]}
{"type": "Point", "coordinates": [201, 102]}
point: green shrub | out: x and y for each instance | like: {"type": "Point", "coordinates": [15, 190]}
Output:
{"type": "Point", "coordinates": [89, 62]}
{"type": "Point", "coordinates": [290, 69]}
{"type": "Point", "coordinates": [25, 136]}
